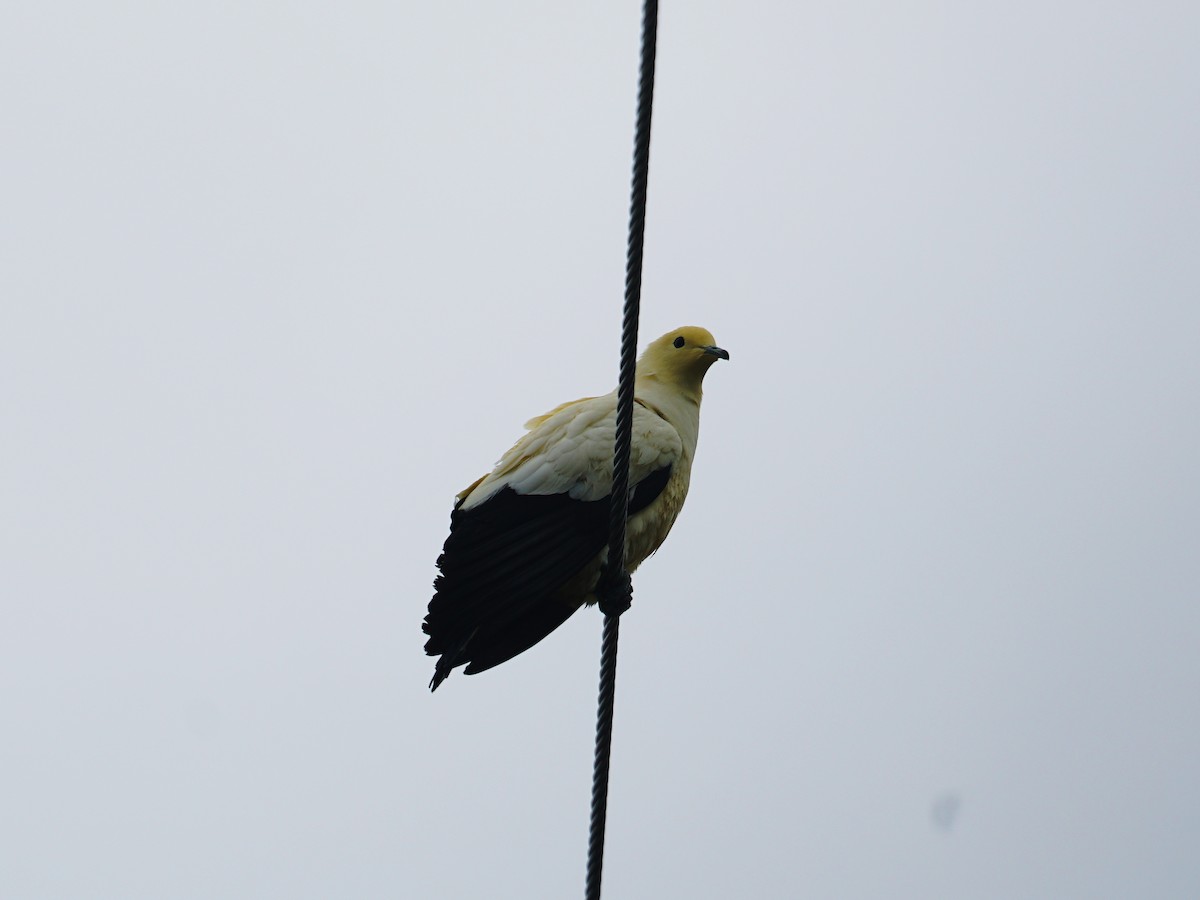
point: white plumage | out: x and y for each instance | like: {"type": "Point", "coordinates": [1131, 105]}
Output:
{"type": "Point", "coordinates": [528, 540]}
{"type": "Point", "coordinates": [570, 451]}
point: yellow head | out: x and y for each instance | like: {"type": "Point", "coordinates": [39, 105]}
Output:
{"type": "Point", "coordinates": [680, 357]}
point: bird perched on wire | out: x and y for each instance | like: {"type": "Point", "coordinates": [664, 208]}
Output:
{"type": "Point", "coordinates": [528, 541]}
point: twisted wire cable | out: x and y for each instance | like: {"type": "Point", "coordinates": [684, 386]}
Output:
{"type": "Point", "coordinates": [615, 590]}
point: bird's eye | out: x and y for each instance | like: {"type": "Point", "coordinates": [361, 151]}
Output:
{"type": "Point", "coordinates": [679, 341]}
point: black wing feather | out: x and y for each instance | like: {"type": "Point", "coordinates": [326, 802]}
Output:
{"type": "Point", "coordinates": [502, 567]}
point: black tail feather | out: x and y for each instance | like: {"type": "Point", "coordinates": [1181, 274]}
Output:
{"type": "Point", "coordinates": [504, 571]}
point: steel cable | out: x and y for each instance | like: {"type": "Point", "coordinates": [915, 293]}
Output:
{"type": "Point", "coordinates": [616, 590]}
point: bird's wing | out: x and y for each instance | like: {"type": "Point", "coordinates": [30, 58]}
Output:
{"type": "Point", "coordinates": [569, 451]}
{"type": "Point", "coordinates": [521, 537]}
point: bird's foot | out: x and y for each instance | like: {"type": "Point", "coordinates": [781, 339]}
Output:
{"type": "Point", "coordinates": [615, 593]}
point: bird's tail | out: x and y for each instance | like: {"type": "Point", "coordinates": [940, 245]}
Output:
{"type": "Point", "coordinates": [449, 659]}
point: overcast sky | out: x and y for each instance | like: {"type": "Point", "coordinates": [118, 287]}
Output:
{"type": "Point", "coordinates": [279, 279]}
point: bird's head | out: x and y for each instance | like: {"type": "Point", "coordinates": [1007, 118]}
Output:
{"type": "Point", "coordinates": [681, 357]}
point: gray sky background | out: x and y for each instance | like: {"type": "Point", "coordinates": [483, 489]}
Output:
{"type": "Point", "coordinates": [279, 279]}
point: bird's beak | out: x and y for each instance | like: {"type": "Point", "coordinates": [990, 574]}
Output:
{"type": "Point", "coordinates": [717, 352]}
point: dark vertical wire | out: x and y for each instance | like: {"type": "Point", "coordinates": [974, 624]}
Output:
{"type": "Point", "coordinates": [616, 592]}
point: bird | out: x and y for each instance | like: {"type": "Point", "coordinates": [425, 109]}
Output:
{"type": "Point", "coordinates": [528, 541]}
